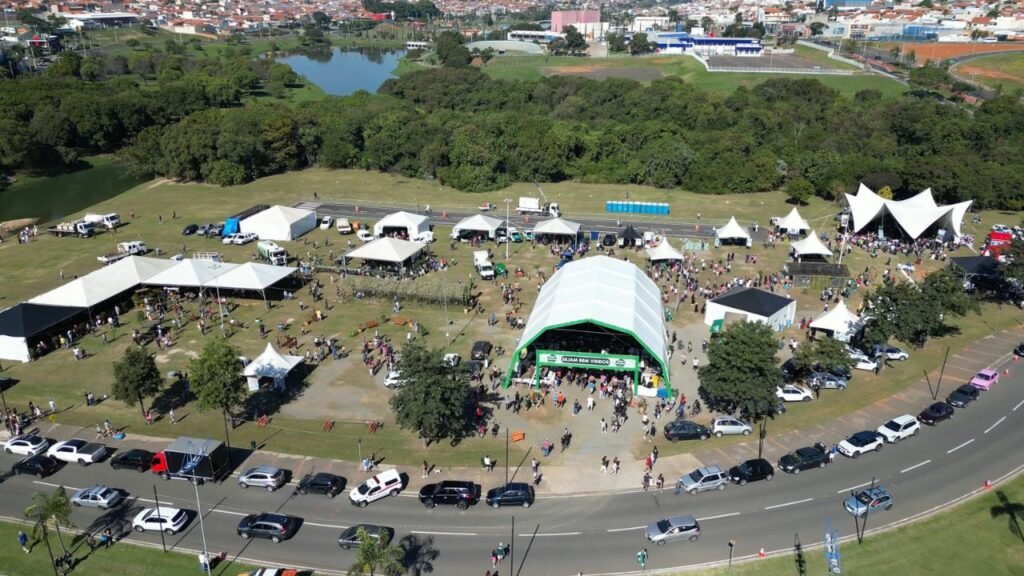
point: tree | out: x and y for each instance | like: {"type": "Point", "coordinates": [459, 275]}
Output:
{"type": "Point", "coordinates": [817, 28]}
{"type": "Point", "coordinates": [575, 43]}
{"type": "Point", "coordinates": [450, 50]}
{"type": "Point", "coordinates": [903, 312]}
{"type": "Point", "coordinates": [435, 400]}
{"type": "Point", "coordinates": [707, 24]}
{"type": "Point", "coordinates": [216, 380]}
{"type": "Point", "coordinates": [741, 373]}
{"type": "Point", "coordinates": [136, 376]}
{"type": "Point", "coordinates": [50, 510]}
{"type": "Point", "coordinates": [69, 65]}
{"type": "Point", "coordinates": [616, 42]}
{"type": "Point", "coordinates": [895, 52]}
{"type": "Point", "coordinates": [640, 45]}
{"type": "Point", "coordinates": [322, 20]}
{"type": "Point", "coordinates": [376, 554]}
{"type": "Point", "coordinates": [673, 15]}
{"type": "Point", "coordinates": [827, 353]}
{"type": "Point", "coordinates": [945, 288]}
{"type": "Point", "coordinates": [799, 190]}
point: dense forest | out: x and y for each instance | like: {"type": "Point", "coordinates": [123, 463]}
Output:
{"type": "Point", "coordinates": [476, 133]}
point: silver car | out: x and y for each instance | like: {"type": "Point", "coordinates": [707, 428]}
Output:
{"type": "Point", "coordinates": [721, 425]}
{"type": "Point", "coordinates": [672, 529]}
{"type": "Point", "coordinates": [704, 479]}
{"type": "Point", "coordinates": [269, 477]}
{"type": "Point", "coordinates": [97, 497]}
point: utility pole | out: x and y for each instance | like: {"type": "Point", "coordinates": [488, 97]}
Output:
{"type": "Point", "coordinates": [508, 239]}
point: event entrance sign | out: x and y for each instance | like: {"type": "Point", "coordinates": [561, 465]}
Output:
{"type": "Point", "coordinates": [590, 361]}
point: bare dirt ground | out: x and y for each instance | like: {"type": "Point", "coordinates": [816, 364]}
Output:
{"type": "Point", "coordinates": [944, 50]}
{"type": "Point", "coordinates": [598, 72]}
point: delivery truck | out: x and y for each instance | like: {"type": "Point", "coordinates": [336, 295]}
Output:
{"type": "Point", "coordinates": [534, 205]}
{"type": "Point", "coordinates": [80, 228]}
{"type": "Point", "coordinates": [124, 250]}
{"type": "Point", "coordinates": [198, 459]}
{"type": "Point", "coordinates": [108, 221]}
{"type": "Point", "coordinates": [271, 252]}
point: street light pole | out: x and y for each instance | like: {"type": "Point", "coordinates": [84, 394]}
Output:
{"type": "Point", "coordinates": [202, 525]}
{"type": "Point", "coordinates": [732, 545]}
{"type": "Point", "coordinates": [508, 239]}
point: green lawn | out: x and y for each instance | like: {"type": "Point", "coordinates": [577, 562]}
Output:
{"type": "Point", "coordinates": [1005, 69]}
{"type": "Point", "coordinates": [821, 58]}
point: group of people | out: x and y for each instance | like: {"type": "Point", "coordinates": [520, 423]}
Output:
{"type": "Point", "coordinates": [15, 422]}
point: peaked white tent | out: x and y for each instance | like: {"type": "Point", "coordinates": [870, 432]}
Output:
{"type": "Point", "coordinates": [411, 224]}
{"type": "Point", "coordinates": [839, 322]}
{"type": "Point", "coordinates": [191, 273]}
{"type": "Point", "coordinates": [252, 276]}
{"type": "Point", "coordinates": [387, 250]}
{"type": "Point", "coordinates": [810, 246]}
{"type": "Point", "coordinates": [913, 216]}
{"type": "Point", "coordinates": [663, 251]}
{"type": "Point", "coordinates": [793, 223]}
{"type": "Point", "coordinates": [557, 227]}
{"type": "Point", "coordinates": [478, 223]}
{"type": "Point", "coordinates": [270, 364]}
{"type": "Point", "coordinates": [105, 283]}
{"type": "Point", "coordinates": [732, 231]}
{"type": "Point", "coordinates": [279, 223]}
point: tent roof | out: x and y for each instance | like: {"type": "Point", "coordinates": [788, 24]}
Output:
{"type": "Point", "coordinates": [793, 221]}
{"type": "Point", "coordinates": [278, 215]}
{"type": "Point", "coordinates": [913, 215]}
{"type": "Point", "coordinates": [630, 233]}
{"type": "Point", "coordinates": [732, 230]}
{"type": "Point", "coordinates": [387, 250]}
{"type": "Point", "coordinates": [101, 285]}
{"type": "Point", "coordinates": [480, 222]}
{"type": "Point", "coordinates": [557, 226]}
{"type": "Point", "coordinates": [838, 319]}
{"type": "Point", "coordinates": [271, 364]}
{"type": "Point", "coordinates": [811, 246]}
{"type": "Point", "coordinates": [604, 291]}
{"type": "Point", "coordinates": [978, 265]}
{"type": "Point", "coordinates": [27, 320]}
{"type": "Point", "coordinates": [753, 300]}
{"type": "Point", "coordinates": [664, 251]}
{"type": "Point", "coordinates": [252, 276]}
{"type": "Point", "coordinates": [191, 273]}
{"type": "Point", "coordinates": [399, 219]}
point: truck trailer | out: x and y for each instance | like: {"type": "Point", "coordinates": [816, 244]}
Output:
{"type": "Point", "coordinates": [197, 459]}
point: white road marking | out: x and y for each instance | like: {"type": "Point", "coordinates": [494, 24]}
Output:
{"type": "Point", "coordinates": [998, 422]}
{"type": "Point", "coordinates": [304, 523]}
{"type": "Point", "coordinates": [442, 533]}
{"type": "Point", "coordinates": [918, 465]}
{"type": "Point", "coordinates": [719, 516]}
{"type": "Point", "coordinates": [852, 488]}
{"type": "Point", "coordinates": [626, 529]}
{"type": "Point", "coordinates": [54, 485]}
{"type": "Point", "coordinates": [530, 535]}
{"type": "Point", "coordinates": [954, 449]}
{"type": "Point", "coordinates": [1019, 404]}
{"type": "Point", "coordinates": [788, 504]}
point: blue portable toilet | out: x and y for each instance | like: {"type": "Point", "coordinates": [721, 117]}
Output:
{"type": "Point", "coordinates": [608, 206]}
{"type": "Point", "coordinates": [594, 235]}
{"type": "Point", "coordinates": [648, 208]}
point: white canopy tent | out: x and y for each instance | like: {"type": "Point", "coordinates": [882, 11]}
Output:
{"type": "Point", "coordinates": [413, 224]}
{"type": "Point", "coordinates": [913, 216]}
{"type": "Point", "coordinates": [105, 283]}
{"type": "Point", "coordinates": [387, 250]}
{"type": "Point", "coordinates": [270, 364]}
{"type": "Point", "coordinates": [252, 276]}
{"type": "Point", "coordinates": [663, 251]}
{"type": "Point", "coordinates": [191, 273]}
{"type": "Point", "coordinates": [478, 223]}
{"type": "Point", "coordinates": [279, 223]}
{"type": "Point", "coordinates": [810, 246]}
{"type": "Point", "coordinates": [557, 227]}
{"type": "Point", "coordinates": [732, 231]}
{"type": "Point", "coordinates": [839, 322]}
{"type": "Point", "coordinates": [793, 223]}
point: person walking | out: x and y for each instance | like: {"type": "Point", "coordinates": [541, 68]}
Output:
{"type": "Point", "coordinates": [426, 470]}
{"type": "Point", "coordinates": [604, 464]}
{"type": "Point", "coordinates": [23, 541]}
{"type": "Point", "coordinates": [641, 558]}
{"type": "Point", "coordinates": [172, 416]}
{"type": "Point", "coordinates": [53, 406]}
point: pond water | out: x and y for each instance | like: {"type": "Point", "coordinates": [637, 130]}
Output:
{"type": "Point", "coordinates": [342, 72]}
{"type": "Point", "coordinates": [55, 197]}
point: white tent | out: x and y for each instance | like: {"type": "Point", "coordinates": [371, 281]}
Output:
{"type": "Point", "coordinates": [752, 305]}
{"type": "Point", "coordinates": [732, 231]}
{"type": "Point", "coordinates": [413, 224]}
{"type": "Point", "coordinates": [663, 251]}
{"type": "Point", "coordinates": [839, 321]}
{"type": "Point", "coordinates": [270, 364]}
{"type": "Point", "coordinates": [478, 223]}
{"type": "Point", "coordinates": [557, 227]}
{"type": "Point", "coordinates": [279, 223]}
{"type": "Point", "coordinates": [191, 273]}
{"type": "Point", "coordinates": [105, 283]}
{"type": "Point", "coordinates": [793, 223]}
{"type": "Point", "coordinates": [914, 215]}
{"type": "Point", "coordinates": [387, 250]}
{"type": "Point", "coordinates": [251, 276]}
{"type": "Point", "coordinates": [810, 246]}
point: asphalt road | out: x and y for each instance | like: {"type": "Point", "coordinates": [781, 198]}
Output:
{"type": "Point", "coordinates": [589, 533]}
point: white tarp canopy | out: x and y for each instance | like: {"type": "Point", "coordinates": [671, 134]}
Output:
{"type": "Point", "coordinates": [270, 364]}
{"type": "Point", "coordinates": [810, 246]}
{"type": "Point", "coordinates": [478, 223]}
{"type": "Point", "coordinates": [664, 251]}
{"type": "Point", "coordinates": [914, 215]}
{"type": "Point", "coordinates": [732, 231]}
{"type": "Point", "coordinates": [105, 283]}
{"type": "Point", "coordinates": [839, 321]}
{"type": "Point", "coordinates": [387, 250]}
{"type": "Point", "coordinates": [191, 273]}
{"type": "Point", "coordinates": [557, 227]}
{"type": "Point", "coordinates": [413, 224]}
{"type": "Point", "coordinates": [793, 223]}
{"type": "Point", "coordinates": [252, 276]}
{"type": "Point", "coordinates": [279, 223]}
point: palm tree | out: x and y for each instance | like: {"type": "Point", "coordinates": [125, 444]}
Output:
{"type": "Point", "coordinates": [1013, 511]}
{"type": "Point", "coordinates": [376, 554]}
{"type": "Point", "coordinates": [50, 510]}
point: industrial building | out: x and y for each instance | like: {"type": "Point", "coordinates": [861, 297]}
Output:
{"type": "Point", "coordinates": [704, 46]}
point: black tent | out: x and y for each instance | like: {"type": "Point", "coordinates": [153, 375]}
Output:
{"type": "Point", "coordinates": [28, 320]}
{"type": "Point", "coordinates": [983, 266]}
{"type": "Point", "coordinates": [630, 234]}
{"type": "Point", "coordinates": [753, 300]}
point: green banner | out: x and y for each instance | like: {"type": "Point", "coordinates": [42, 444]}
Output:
{"type": "Point", "coordinates": [587, 360]}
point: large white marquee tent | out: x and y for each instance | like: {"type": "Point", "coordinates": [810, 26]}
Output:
{"type": "Point", "coordinates": [557, 227]}
{"type": "Point", "coordinates": [914, 215]}
{"type": "Point", "coordinates": [105, 283]}
{"type": "Point", "coordinates": [663, 251]}
{"type": "Point", "coordinates": [391, 250]}
{"type": "Point", "coordinates": [279, 223]}
{"type": "Point", "coordinates": [810, 246]}
{"type": "Point", "coordinates": [191, 273]}
{"type": "Point", "coordinates": [839, 322]}
{"type": "Point", "coordinates": [732, 231]}
{"type": "Point", "coordinates": [270, 364]}
{"type": "Point", "coordinates": [478, 223]}
{"type": "Point", "coordinates": [413, 224]}
{"type": "Point", "coordinates": [793, 223]}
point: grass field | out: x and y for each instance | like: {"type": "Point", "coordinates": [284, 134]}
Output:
{"type": "Point", "coordinates": [992, 71]}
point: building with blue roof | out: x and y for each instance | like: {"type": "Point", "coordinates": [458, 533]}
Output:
{"type": "Point", "coordinates": [683, 43]}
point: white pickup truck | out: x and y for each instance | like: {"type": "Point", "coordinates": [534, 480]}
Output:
{"type": "Point", "coordinates": [482, 263]}
{"type": "Point", "coordinates": [77, 450]}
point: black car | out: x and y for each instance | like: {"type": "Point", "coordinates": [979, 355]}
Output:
{"type": "Point", "coordinates": [609, 239]}
{"type": "Point", "coordinates": [1019, 350]}
{"type": "Point", "coordinates": [685, 430]}
{"type": "Point", "coordinates": [481, 350]}
{"type": "Point", "coordinates": [936, 413]}
{"type": "Point", "coordinates": [475, 369]}
{"type": "Point", "coordinates": [963, 396]}
{"type": "Point", "coordinates": [349, 539]}
{"type": "Point", "coordinates": [458, 493]}
{"type": "Point", "coordinates": [804, 458]}
{"type": "Point", "coordinates": [751, 471]}
{"type": "Point", "coordinates": [511, 494]}
{"type": "Point", "coordinates": [274, 527]}
{"type": "Point", "coordinates": [789, 371]}
{"type": "Point", "coordinates": [134, 459]}
{"type": "Point", "coordinates": [189, 230]}
{"type": "Point", "coordinates": [39, 465]}
{"type": "Point", "coordinates": [321, 483]}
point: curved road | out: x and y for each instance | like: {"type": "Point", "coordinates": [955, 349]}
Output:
{"type": "Point", "coordinates": [593, 533]}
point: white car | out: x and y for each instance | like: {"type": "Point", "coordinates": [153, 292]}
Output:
{"type": "Point", "coordinates": [794, 393]}
{"type": "Point", "coordinates": [722, 425]}
{"type": "Point", "coordinates": [893, 353]}
{"type": "Point", "coordinates": [26, 445]}
{"type": "Point", "coordinates": [393, 379]}
{"type": "Point", "coordinates": [241, 238]}
{"type": "Point", "coordinates": [861, 443]}
{"type": "Point", "coordinates": [77, 450]}
{"type": "Point", "coordinates": [862, 362]}
{"type": "Point", "coordinates": [169, 520]}
{"type": "Point", "coordinates": [364, 235]}
{"type": "Point", "coordinates": [899, 428]}
{"type": "Point", "coordinates": [326, 222]}
{"type": "Point", "coordinates": [424, 237]}
{"type": "Point", "coordinates": [386, 483]}
{"type": "Point", "coordinates": [451, 360]}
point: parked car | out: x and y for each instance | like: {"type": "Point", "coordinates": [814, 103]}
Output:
{"type": "Point", "coordinates": [889, 353]}
{"type": "Point", "coordinates": [861, 443]}
{"type": "Point", "coordinates": [393, 379]}
{"type": "Point", "coordinates": [862, 362]}
{"type": "Point", "coordinates": [166, 519]}
{"type": "Point", "coordinates": [962, 396]}
{"type": "Point", "coordinates": [704, 479]}
{"type": "Point", "coordinates": [673, 529]}
{"type": "Point", "coordinates": [481, 350]}
{"type": "Point", "coordinates": [39, 465]}
{"type": "Point", "coordinates": [98, 497]}
{"type": "Point", "coordinates": [805, 458]}
{"type": "Point", "coordinates": [1019, 350]}
{"type": "Point", "coordinates": [511, 494]}
{"type": "Point", "coordinates": [751, 471]}
{"type": "Point", "coordinates": [459, 493]}
{"type": "Point", "coordinates": [324, 483]}
{"type": "Point", "coordinates": [985, 379]}
{"type": "Point", "coordinates": [327, 222]}
{"type": "Point", "coordinates": [239, 238]}
{"type": "Point", "coordinates": [609, 239]}
{"type": "Point", "coordinates": [189, 230]}
{"type": "Point", "coordinates": [936, 413]}
{"type": "Point", "coordinates": [269, 525]}
{"type": "Point", "coordinates": [349, 537]}
{"type": "Point", "coordinates": [794, 393]}
{"type": "Point", "coordinates": [789, 371]}
{"type": "Point", "coordinates": [722, 425]}
{"type": "Point", "coordinates": [77, 450]}
{"type": "Point", "coordinates": [269, 477]}
{"type": "Point", "coordinates": [364, 235]}
{"type": "Point", "coordinates": [451, 360]}
{"type": "Point", "coordinates": [382, 484]}
{"type": "Point", "coordinates": [514, 234]}
{"type": "Point", "coordinates": [899, 428]}
{"type": "Point", "coordinates": [685, 430]}
{"type": "Point", "coordinates": [135, 459]}
{"type": "Point", "coordinates": [868, 500]}
{"type": "Point", "coordinates": [828, 380]}
{"type": "Point", "coordinates": [26, 445]}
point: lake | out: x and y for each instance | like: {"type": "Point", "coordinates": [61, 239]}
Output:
{"type": "Point", "coordinates": [342, 72]}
